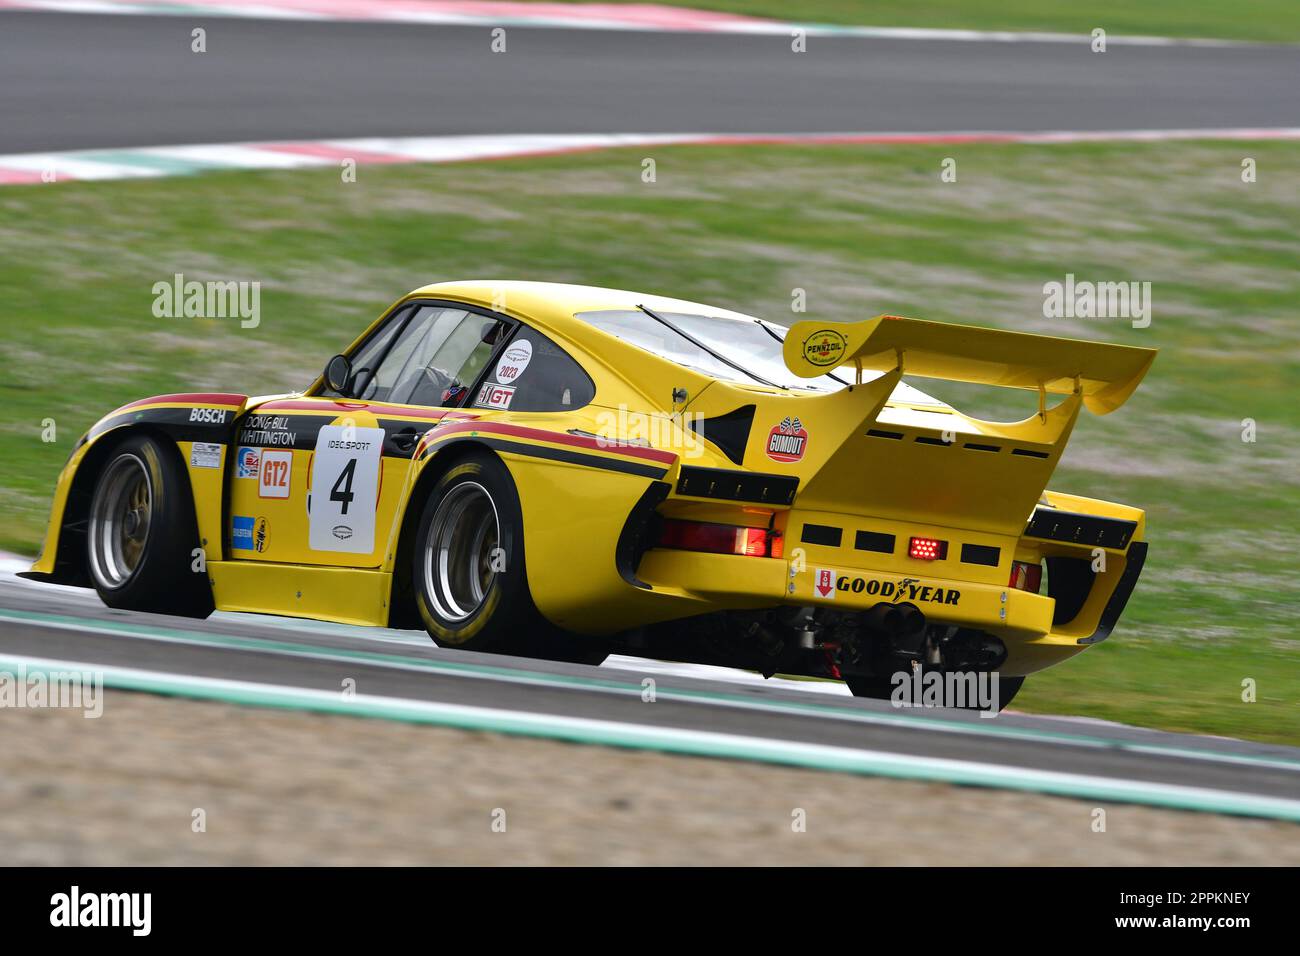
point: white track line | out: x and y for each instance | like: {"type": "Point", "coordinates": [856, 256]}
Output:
{"type": "Point", "coordinates": [156, 161]}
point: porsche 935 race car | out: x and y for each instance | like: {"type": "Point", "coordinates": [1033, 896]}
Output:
{"type": "Point", "coordinates": [555, 471]}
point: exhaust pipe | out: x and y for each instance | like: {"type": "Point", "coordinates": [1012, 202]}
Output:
{"type": "Point", "coordinates": [884, 617]}
{"type": "Point", "coordinates": [913, 621]}
{"type": "Point", "coordinates": [896, 620]}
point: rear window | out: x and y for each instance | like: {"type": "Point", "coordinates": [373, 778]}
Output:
{"type": "Point", "coordinates": [743, 350]}
{"type": "Point", "coordinates": [533, 374]}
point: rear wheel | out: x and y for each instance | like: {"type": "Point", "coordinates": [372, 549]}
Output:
{"type": "Point", "coordinates": [882, 688]}
{"type": "Point", "coordinates": [471, 586]}
{"type": "Point", "coordinates": [141, 536]}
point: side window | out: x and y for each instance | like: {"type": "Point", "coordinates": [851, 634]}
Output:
{"type": "Point", "coordinates": [425, 355]}
{"type": "Point", "coordinates": [446, 358]}
{"type": "Point", "coordinates": [365, 358]}
{"type": "Point", "coordinates": [533, 374]}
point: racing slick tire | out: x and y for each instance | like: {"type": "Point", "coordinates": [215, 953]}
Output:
{"type": "Point", "coordinates": [142, 538]}
{"type": "Point", "coordinates": [469, 577]}
{"type": "Point", "coordinates": [882, 688]}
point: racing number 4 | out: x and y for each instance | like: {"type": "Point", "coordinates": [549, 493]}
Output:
{"type": "Point", "coordinates": [345, 489]}
{"type": "Point", "coordinates": [342, 490]}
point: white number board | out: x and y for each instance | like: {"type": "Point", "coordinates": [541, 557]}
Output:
{"type": "Point", "coordinates": [345, 489]}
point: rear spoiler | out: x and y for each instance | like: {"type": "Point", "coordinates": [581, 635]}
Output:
{"type": "Point", "coordinates": [1105, 375]}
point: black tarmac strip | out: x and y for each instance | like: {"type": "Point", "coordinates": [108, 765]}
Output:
{"type": "Point", "coordinates": [86, 82]}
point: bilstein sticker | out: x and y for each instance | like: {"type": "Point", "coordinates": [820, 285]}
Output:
{"type": "Point", "coordinates": [787, 441]}
{"type": "Point", "coordinates": [908, 589]}
{"type": "Point", "coordinates": [824, 348]}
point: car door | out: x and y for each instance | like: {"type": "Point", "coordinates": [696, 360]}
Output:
{"type": "Point", "coordinates": [318, 479]}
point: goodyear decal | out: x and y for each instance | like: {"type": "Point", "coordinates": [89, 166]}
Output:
{"type": "Point", "coordinates": [908, 589]}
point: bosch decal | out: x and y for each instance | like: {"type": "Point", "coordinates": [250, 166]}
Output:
{"type": "Point", "coordinates": [209, 416]}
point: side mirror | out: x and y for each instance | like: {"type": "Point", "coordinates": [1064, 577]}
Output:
{"type": "Point", "coordinates": [338, 375]}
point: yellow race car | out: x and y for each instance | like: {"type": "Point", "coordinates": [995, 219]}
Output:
{"type": "Point", "coordinates": [558, 471]}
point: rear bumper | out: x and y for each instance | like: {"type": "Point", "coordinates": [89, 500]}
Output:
{"type": "Point", "coordinates": [1023, 621]}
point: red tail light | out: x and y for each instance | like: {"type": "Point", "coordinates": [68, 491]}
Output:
{"type": "Point", "coordinates": [927, 549]}
{"type": "Point", "coordinates": [1026, 576]}
{"type": "Point", "coordinates": [720, 538]}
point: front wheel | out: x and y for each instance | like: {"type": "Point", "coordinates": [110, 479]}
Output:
{"type": "Point", "coordinates": [471, 586]}
{"type": "Point", "coordinates": [142, 544]}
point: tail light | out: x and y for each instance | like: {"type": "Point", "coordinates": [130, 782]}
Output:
{"type": "Point", "coordinates": [1026, 576]}
{"type": "Point", "coordinates": [720, 538]}
{"type": "Point", "coordinates": [927, 549]}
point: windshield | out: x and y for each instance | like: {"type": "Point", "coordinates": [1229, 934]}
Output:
{"type": "Point", "coordinates": [708, 343]}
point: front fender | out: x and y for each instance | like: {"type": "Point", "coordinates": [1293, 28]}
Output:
{"type": "Point", "coordinates": [187, 419]}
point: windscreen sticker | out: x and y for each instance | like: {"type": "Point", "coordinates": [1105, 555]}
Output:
{"type": "Point", "coordinates": [787, 441]}
{"type": "Point", "coordinates": [345, 489]}
{"type": "Point", "coordinates": [495, 396]}
{"type": "Point", "coordinates": [514, 360]}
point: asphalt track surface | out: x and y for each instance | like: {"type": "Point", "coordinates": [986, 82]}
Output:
{"type": "Point", "coordinates": [85, 81]}
{"type": "Point", "coordinates": [70, 625]}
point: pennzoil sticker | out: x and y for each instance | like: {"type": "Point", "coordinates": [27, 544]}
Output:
{"type": "Point", "coordinates": [787, 441]}
{"type": "Point", "coordinates": [824, 348]}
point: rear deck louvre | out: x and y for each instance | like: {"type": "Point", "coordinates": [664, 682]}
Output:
{"type": "Point", "coordinates": [729, 485]}
{"type": "Point", "coordinates": [822, 534]}
{"type": "Point", "coordinates": [927, 440]}
{"type": "Point", "coordinates": [980, 554]}
{"type": "Point", "coordinates": [1080, 528]}
{"type": "Point", "coordinates": [878, 433]}
{"type": "Point", "coordinates": [874, 541]}
{"type": "Point", "coordinates": [1029, 454]}
{"type": "Point", "coordinates": [974, 447]}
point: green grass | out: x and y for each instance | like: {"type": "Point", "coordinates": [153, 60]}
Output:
{"type": "Point", "coordinates": [1274, 21]}
{"type": "Point", "coordinates": [862, 230]}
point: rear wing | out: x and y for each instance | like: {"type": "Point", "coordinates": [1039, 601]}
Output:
{"type": "Point", "coordinates": [1104, 375]}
